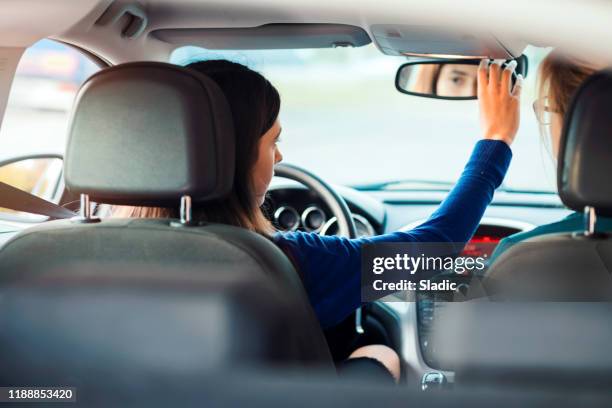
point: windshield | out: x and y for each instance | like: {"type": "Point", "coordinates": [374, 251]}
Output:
{"type": "Point", "coordinates": [343, 119]}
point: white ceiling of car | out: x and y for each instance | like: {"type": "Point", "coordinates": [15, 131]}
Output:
{"type": "Point", "coordinates": [580, 25]}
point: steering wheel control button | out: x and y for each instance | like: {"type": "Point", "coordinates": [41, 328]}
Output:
{"type": "Point", "coordinates": [287, 218]}
{"type": "Point", "coordinates": [433, 380]}
{"type": "Point", "coordinates": [313, 219]}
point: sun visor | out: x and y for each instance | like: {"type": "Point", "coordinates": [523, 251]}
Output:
{"type": "Point", "coordinates": [268, 36]}
{"type": "Point", "coordinates": [434, 42]}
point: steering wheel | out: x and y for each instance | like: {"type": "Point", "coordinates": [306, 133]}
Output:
{"type": "Point", "coordinates": [333, 200]}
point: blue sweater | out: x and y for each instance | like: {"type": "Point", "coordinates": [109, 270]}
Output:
{"type": "Point", "coordinates": [331, 266]}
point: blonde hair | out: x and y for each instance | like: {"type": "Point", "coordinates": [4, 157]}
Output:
{"type": "Point", "coordinates": [560, 76]}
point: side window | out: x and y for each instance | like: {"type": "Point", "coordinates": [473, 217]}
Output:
{"type": "Point", "coordinates": [33, 130]}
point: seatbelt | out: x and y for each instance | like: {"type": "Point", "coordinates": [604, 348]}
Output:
{"type": "Point", "coordinates": [18, 200]}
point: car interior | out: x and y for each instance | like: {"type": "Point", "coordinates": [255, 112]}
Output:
{"type": "Point", "coordinates": [97, 110]}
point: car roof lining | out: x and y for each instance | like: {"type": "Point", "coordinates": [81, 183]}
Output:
{"type": "Point", "coordinates": [508, 23]}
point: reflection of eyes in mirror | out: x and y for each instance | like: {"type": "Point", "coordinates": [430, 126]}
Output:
{"type": "Point", "coordinates": [456, 80]}
{"type": "Point", "coordinates": [443, 80]}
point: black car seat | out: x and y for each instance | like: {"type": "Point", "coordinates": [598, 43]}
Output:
{"type": "Point", "coordinates": [109, 296]}
{"type": "Point", "coordinates": [570, 266]}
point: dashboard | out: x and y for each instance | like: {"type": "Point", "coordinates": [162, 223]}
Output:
{"type": "Point", "coordinates": [296, 208]}
{"type": "Point", "coordinates": [293, 207]}
{"type": "Point", "coordinates": [429, 304]}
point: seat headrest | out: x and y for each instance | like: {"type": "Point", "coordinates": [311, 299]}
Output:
{"type": "Point", "coordinates": [147, 133]}
{"type": "Point", "coordinates": [585, 154]}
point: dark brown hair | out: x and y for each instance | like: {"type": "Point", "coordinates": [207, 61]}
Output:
{"type": "Point", "coordinates": [255, 105]}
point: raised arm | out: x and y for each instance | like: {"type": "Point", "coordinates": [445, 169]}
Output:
{"type": "Point", "coordinates": [458, 216]}
{"type": "Point", "coordinates": [330, 266]}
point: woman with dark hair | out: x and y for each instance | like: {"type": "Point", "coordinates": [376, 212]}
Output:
{"type": "Point", "coordinates": [330, 265]}
{"type": "Point", "coordinates": [255, 105]}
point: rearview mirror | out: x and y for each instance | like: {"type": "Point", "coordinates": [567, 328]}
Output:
{"type": "Point", "coordinates": [445, 79]}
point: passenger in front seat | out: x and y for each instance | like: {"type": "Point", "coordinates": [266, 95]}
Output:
{"type": "Point", "coordinates": [330, 265]}
{"type": "Point", "coordinates": [559, 77]}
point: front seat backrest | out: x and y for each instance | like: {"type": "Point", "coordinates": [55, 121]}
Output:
{"type": "Point", "coordinates": [550, 328]}
{"type": "Point", "coordinates": [578, 265]}
{"type": "Point", "coordinates": [151, 134]}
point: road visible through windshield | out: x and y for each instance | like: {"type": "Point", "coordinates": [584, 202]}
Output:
{"type": "Point", "coordinates": [343, 119]}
